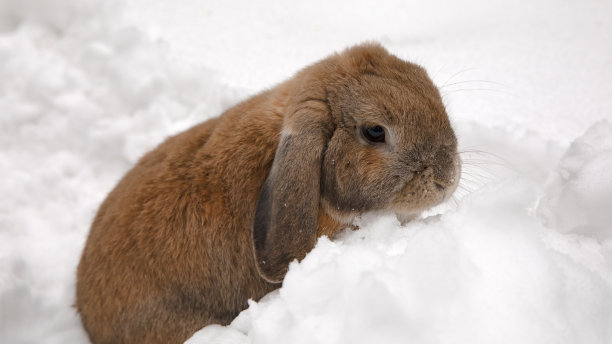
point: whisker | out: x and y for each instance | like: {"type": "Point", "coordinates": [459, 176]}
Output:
{"type": "Point", "coordinates": [470, 183]}
{"type": "Point", "coordinates": [478, 89]}
{"type": "Point", "coordinates": [484, 165]}
{"type": "Point", "coordinates": [478, 180]}
{"type": "Point", "coordinates": [485, 155]}
{"type": "Point", "coordinates": [483, 169]}
{"type": "Point", "coordinates": [475, 81]}
{"type": "Point", "coordinates": [456, 74]}
{"type": "Point", "coordinates": [462, 187]}
{"type": "Point", "coordinates": [473, 173]}
{"type": "Point", "coordinates": [454, 202]}
{"type": "Point", "coordinates": [434, 75]}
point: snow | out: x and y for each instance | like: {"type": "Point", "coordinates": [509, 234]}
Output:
{"type": "Point", "coordinates": [523, 253]}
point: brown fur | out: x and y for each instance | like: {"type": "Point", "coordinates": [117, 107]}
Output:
{"type": "Point", "coordinates": [213, 216]}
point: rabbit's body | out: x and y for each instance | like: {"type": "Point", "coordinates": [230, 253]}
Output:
{"type": "Point", "coordinates": [190, 234]}
{"type": "Point", "coordinates": [168, 281]}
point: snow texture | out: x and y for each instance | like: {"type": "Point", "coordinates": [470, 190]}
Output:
{"type": "Point", "coordinates": [522, 254]}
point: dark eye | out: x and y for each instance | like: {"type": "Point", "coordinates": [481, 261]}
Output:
{"type": "Point", "coordinates": [374, 134]}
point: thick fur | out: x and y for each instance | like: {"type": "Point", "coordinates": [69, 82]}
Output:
{"type": "Point", "coordinates": [214, 215]}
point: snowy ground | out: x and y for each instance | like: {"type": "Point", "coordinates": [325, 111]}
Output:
{"type": "Point", "coordinates": [522, 255]}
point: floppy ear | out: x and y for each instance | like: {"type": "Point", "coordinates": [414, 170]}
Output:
{"type": "Point", "coordinates": [286, 215]}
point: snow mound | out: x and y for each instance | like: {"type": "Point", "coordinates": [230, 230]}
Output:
{"type": "Point", "coordinates": [81, 99]}
{"type": "Point", "coordinates": [579, 195]}
{"type": "Point", "coordinates": [488, 271]}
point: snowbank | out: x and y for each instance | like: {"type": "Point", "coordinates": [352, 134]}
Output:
{"type": "Point", "coordinates": [488, 271]}
{"type": "Point", "coordinates": [523, 254]}
{"type": "Point", "coordinates": [81, 99]}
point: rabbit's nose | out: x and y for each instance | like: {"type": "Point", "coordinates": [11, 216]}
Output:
{"type": "Point", "coordinates": [427, 173]}
{"type": "Point", "coordinates": [424, 171]}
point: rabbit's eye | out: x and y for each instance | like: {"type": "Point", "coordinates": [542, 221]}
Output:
{"type": "Point", "coordinates": [374, 134]}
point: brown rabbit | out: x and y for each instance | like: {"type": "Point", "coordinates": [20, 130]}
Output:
{"type": "Point", "coordinates": [213, 216]}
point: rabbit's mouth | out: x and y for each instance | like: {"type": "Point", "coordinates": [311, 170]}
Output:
{"type": "Point", "coordinates": [424, 190]}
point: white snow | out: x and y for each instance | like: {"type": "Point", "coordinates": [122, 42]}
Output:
{"type": "Point", "coordinates": [523, 254]}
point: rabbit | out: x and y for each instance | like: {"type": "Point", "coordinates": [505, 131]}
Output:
{"type": "Point", "coordinates": [213, 216]}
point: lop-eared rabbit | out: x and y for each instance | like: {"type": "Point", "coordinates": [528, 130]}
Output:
{"type": "Point", "coordinates": [213, 216]}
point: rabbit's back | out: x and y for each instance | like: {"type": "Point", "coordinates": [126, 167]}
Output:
{"type": "Point", "coordinates": [169, 250]}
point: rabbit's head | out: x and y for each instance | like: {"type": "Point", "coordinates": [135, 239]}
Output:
{"type": "Point", "coordinates": [364, 131]}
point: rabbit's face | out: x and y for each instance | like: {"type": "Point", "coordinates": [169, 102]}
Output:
{"type": "Point", "coordinates": [364, 131]}
{"type": "Point", "coordinates": [393, 147]}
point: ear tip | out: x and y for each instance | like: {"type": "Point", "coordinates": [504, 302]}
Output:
{"type": "Point", "coordinates": [270, 273]}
